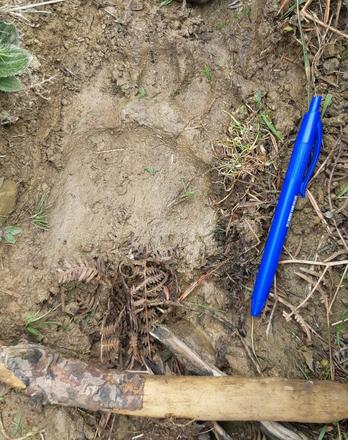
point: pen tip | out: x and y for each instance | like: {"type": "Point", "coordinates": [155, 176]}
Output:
{"type": "Point", "coordinates": [314, 106]}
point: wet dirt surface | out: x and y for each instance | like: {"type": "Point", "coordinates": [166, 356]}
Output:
{"type": "Point", "coordinates": [124, 105]}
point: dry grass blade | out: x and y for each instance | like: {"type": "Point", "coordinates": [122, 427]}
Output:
{"type": "Point", "coordinates": [289, 315]}
{"type": "Point", "coordinates": [317, 210]}
{"type": "Point", "coordinates": [28, 435]}
{"type": "Point", "coordinates": [26, 8]}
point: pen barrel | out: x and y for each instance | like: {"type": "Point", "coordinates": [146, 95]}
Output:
{"type": "Point", "coordinates": [298, 165]}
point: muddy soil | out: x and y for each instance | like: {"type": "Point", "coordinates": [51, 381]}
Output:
{"type": "Point", "coordinates": [123, 106]}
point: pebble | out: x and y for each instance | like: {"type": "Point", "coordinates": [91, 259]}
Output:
{"type": "Point", "coordinates": [8, 198]}
{"type": "Point", "coordinates": [331, 50]}
{"type": "Point", "coordinates": [331, 65]}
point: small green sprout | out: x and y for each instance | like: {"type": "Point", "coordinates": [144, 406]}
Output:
{"type": "Point", "coordinates": [184, 195]}
{"type": "Point", "coordinates": [39, 218]}
{"type": "Point", "coordinates": [326, 104]}
{"type": "Point", "coordinates": [141, 93]}
{"type": "Point", "coordinates": [8, 234]}
{"type": "Point", "coordinates": [34, 324]}
{"type": "Point", "coordinates": [151, 170]}
{"type": "Point", "coordinates": [165, 3]}
{"type": "Point", "coordinates": [207, 73]}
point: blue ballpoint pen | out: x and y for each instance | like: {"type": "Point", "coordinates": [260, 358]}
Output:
{"type": "Point", "coordinates": [302, 163]}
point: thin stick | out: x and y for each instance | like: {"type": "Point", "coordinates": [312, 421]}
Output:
{"type": "Point", "coordinates": [327, 11]}
{"type": "Point", "coordinates": [307, 66]}
{"type": "Point", "coordinates": [200, 280]}
{"type": "Point", "coordinates": [252, 355]}
{"type": "Point", "coordinates": [321, 23]}
{"type": "Point", "coordinates": [269, 325]}
{"type": "Point", "coordinates": [315, 263]}
{"type": "Point", "coordinates": [338, 288]}
{"type": "Point", "coordinates": [317, 210]}
{"type": "Point", "coordinates": [341, 321]}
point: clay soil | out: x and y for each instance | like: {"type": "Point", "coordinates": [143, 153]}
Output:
{"type": "Point", "coordinates": [125, 108]}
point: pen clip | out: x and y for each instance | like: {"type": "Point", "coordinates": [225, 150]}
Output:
{"type": "Point", "coordinates": [314, 159]}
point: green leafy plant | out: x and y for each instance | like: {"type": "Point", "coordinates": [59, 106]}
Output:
{"type": "Point", "coordinates": [8, 234]}
{"type": "Point", "coordinates": [326, 104]}
{"type": "Point", "coordinates": [322, 432]}
{"type": "Point", "coordinates": [34, 324]}
{"type": "Point", "coordinates": [151, 170]}
{"type": "Point", "coordinates": [39, 218]}
{"type": "Point", "coordinates": [13, 59]}
{"type": "Point", "coordinates": [343, 191]}
{"type": "Point", "coordinates": [265, 119]}
{"type": "Point", "coordinates": [165, 3]}
{"type": "Point", "coordinates": [207, 73]}
{"type": "Point", "coordinates": [141, 93]}
{"type": "Point", "coordinates": [185, 194]}
{"type": "Point", "coordinates": [341, 327]}
{"type": "Point", "coordinates": [16, 425]}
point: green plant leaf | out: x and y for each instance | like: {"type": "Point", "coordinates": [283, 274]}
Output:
{"type": "Point", "coordinates": [322, 432]}
{"type": "Point", "coordinates": [13, 60]}
{"type": "Point", "coordinates": [8, 34]}
{"type": "Point", "coordinates": [258, 98]}
{"type": "Point", "coordinates": [207, 73]}
{"type": "Point", "coordinates": [13, 230]}
{"type": "Point", "coordinates": [151, 170]}
{"type": "Point", "coordinates": [269, 124]}
{"type": "Point", "coordinates": [141, 93]}
{"type": "Point", "coordinates": [165, 3]}
{"type": "Point", "coordinates": [33, 331]}
{"type": "Point", "coordinates": [10, 238]}
{"type": "Point", "coordinates": [10, 84]}
{"type": "Point", "coordinates": [326, 104]}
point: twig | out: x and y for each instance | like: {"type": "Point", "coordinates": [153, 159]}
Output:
{"type": "Point", "coordinates": [327, 11]}
{"type": "Point", "coordinates": [317, 210]}
{"type": "Point", "coordinates": [341, 321]}
{"type": "Point", "coordinates": [146, 313]}
{"type": "Point", "coordinates": [269, 325]}
{"type": "Point", "coordinates": [304, 48]}
{"type": "Point", "coordinates": [200, 280]}
{"type": "Point", "coordinates": [330, 199]}
{"type": "Point", "coordinates": [337, 289]}
{"type": "Point", "coordinates": [315, 263]}
{"type": "Point", "coordinates": [252, 355]}
{"type": "Point", "coordinates": [321, 23]}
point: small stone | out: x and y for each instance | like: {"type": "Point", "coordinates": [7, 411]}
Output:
{"type": "Point", "coordinates": [8, 198]}
{"type": "Point", "coordinates": [72, 308]}
{"type": "Point", "coordinates": [331, 65]}
{"type": "Point", "coordinates": [301, 203]}
{"type": "Point", "coordinates": [329, 214]}
{"type": "Point", "coordinates": [331, 50]}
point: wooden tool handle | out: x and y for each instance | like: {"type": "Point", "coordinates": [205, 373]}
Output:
{"type": "Point", "coordinates": [237, 398]}
{"type": "Point", "coordinates": [68, 382]}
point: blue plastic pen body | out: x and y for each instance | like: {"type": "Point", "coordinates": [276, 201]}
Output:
{"type": "Point", "coordinates": [309, 135]}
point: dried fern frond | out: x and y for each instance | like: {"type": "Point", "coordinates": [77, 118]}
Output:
{"type": "Point", "coordinates": [109, 330]}
{"type": "Point", "coordinates": [81, 272]}
{"type": "Point", "coordinates": [109, 349]}
{"type": "Point", "coordinates": [341, 356]}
